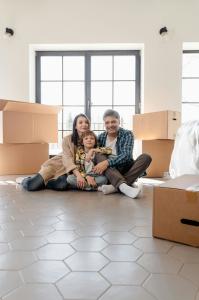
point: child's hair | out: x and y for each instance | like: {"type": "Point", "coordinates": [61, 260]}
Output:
{"type": "Point", "coordinates": [87, 133]}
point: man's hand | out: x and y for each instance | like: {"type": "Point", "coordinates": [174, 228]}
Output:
{"type": "Point", "coordinates": [91, 181]}
{"type": "Point", "coordinates": [100, 167]}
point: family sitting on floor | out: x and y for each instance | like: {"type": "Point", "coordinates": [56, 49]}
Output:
{"type": "Point", "coordinates": [104, 163]}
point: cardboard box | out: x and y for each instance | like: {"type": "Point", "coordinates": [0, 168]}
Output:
{"type": "Point", "coordinates": [176, 211]}
{"type": "Point", "coordinates": [160, 151]}
{"type": "Point", "coordinates": [22, 122]}
{"type": "Point", "coordinates": [156, 125]}
{"type": "Point", "coordinates": [22, 158]}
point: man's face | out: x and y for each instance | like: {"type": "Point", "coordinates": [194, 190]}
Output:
{"type": "Point", "coordinates": [112, 125]}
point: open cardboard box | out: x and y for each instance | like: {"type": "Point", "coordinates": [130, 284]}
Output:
{"type": "Point", "coordinates": [23, 122]}
{"type": "Point", "coordinates": [156, 125]}
{"type": "Point", "coordinates": [176, 210]}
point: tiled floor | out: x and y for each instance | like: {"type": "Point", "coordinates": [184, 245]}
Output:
{"type": "Point", "coordinates": [86, 246]}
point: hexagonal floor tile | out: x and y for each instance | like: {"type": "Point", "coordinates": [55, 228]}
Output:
{"type": "Point", "coordinates": [89, 244]}
{"type": "Point", "coordinates": [142, 222]}
{"type": "Point", "coordinates": [126, 293]}
{"type": "Point", "coordinates": [45, 271]}
{"type": "Point", "coordinates": [9, 280]}
{"type": "Point", "coordinates": [171, 287]}
{"type": "Point", "coordinates": [160, 263]}
{"type": "Point", "coordinates": [191, 272]}
{"type": "Point", "coordinates": [55, 251]}
{"type": "Point", "coordinates": [186, 253]}
{"type": "Point", "coordinates": [16, 225]}
{"type": "Point", "coordinates": [8, 235]}
{"type": "Point", "coordinates": [4, 248]}
{"type": "Point", "coordinates": [66, 225]}
{"type": "Point", "coordinates": [61, 236]}
{"type": "Point", "coordinates": [121, 253]}
{"type": "Point", "coordinates": [153, 245]}
{"type": "Point", "coordinates": [120, 237]}
{"type": "Point", "coordinates": [45, 221]}
{"type": "Point", "coordinates": [86, 261]}
{"type": "Point", "coordinates": [90, 231]}
{"type": "Point", "coordinates": [142, 231]}
{"type": "Point", "coordinates": [28, 243]}
{"type": "Point", "coordinates": [37, 230]}
{"type": "Point", "coordinates": [16, 260]}
{"type": "Point", "coordinates": [35, 292]}
{"type": "Point", "coordinates": [124, 273]}
{"type": "Point", "coordinates": [81, 285]}
{"type": "Point", "coordinates": [118, 226]}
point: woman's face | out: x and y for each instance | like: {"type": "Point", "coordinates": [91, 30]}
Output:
{"type": "Point", "coordinates": [82, 125]}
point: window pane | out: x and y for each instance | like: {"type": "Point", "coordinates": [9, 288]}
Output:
{"type": "Point", "coordinates": [69, 114]}
{"type": "Point", "coordinates": [74, 93]}
{"type": "Point", "coordinates": [190, 112]}
{"type": "Point", "coordinates": [126, 116]}
{"type": "Point", "coordinates": [190, 90]}
{"type": "Point", "coordinates": [124, 93]}
{"type": "Point", "coordinates": [101, 93]}
{"type": "Point", "coordinates": [51, 68]}
{"type": "Point", "coordinates": [51, 93]}
{"type": "Point", "coordinates": [97, 117]}
{"type": "Point", "coordinates": [73, 67]}
{"type": "Point", "coordinates": [101, 67]}
{"type": "Point", "coordinates": [124, 67]}
{"type": "Point", "coordinates": [190, 65]}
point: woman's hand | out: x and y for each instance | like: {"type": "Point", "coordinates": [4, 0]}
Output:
{"type": "Point", "coordinates": [80, 182]}
{"type": "Point", "coordinates": [91, 181]}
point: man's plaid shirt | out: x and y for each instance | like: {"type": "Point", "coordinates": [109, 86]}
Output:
{"type": "Point", "coordinates": [124, 147]}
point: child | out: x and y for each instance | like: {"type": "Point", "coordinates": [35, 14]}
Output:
{"type": "Point", "coordinates": [83, 177]}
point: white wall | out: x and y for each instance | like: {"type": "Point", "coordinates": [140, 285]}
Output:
{"type": "Point", "coordinates": [101, 21]}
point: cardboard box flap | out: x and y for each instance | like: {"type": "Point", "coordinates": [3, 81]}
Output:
{"type": "Point", "coordinates": [17, 106]}
{"type": "Point", "coordinates": [183, 182]}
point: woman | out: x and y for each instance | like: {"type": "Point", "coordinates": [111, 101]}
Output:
{"type": "Point", "coordinates": [53, 173]}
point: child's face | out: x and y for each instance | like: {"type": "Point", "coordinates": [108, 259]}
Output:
{"type": "Point", "coordinates": [89, 141]}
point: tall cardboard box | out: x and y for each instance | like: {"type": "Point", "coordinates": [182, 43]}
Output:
{"type": "Point", "coordinates": [22, 122]}
{"type": "Point", "coordinates": [176, 210]}
{"type": "Point", "coordinates": [22, 158]}
{"type": "Point", "coordinates": [160, 151]}
{"type": "Point", "coordinates": [156, 125]}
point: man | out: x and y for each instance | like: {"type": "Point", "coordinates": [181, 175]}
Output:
{"type": "Point", "coordinates": [120, 168]}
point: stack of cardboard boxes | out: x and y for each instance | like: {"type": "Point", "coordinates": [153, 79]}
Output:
{"type": "Point", "coordinates": [25, 131]}
{"type": "Point", "coordinates": [157, 131]}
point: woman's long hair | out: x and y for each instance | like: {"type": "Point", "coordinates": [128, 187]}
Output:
{"type": "Point", "coordinates": [75, 137]}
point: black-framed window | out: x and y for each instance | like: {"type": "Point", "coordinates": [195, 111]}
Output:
{"type": "Point", "coordinates": [190, 85]}
{"type": "Point", "coordinates": [89, 82]}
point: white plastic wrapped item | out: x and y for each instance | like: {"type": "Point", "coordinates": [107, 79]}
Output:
{"type": "Point", "coordinates": [185, 155]}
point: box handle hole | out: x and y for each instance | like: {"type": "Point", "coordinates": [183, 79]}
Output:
{"type": "Point", "coordinates": [189, 222]}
